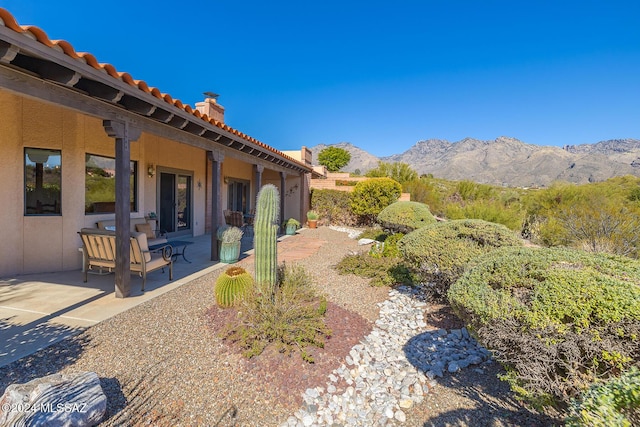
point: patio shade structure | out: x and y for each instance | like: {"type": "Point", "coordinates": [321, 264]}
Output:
{"type": "Point", "coordinates": [51, 71]}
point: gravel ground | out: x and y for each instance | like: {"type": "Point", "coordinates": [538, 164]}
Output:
{"type": "Point", "coordinates": [162, 364]}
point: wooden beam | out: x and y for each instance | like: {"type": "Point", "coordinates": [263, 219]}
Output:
{"type": "Point", "coordinates": [137, 106]}
{"type": "Point", "coordinates": [47, 69]}
{"type": "Point", "coordinates": [259, 169]}
{"type": "Point", "coordinates": [211, 135]}
{"type": "Point", "coordinates": [216, 159]}
{"type": "Point", "coordinates": [100, 106]}
{"type": "Point", "coordinates": [99, 90]}
{"type": "Point", "coordinates": [7, 52]}
{"type": "Point", "coordinates": [178, 122]}
{"type": "Point", "coordinates": [194, 128]}
{"type": "Point", "coordinates": [123, 134]}
{"type": "Point", "coordinates": [283, 177]}
{"type": "Point", "coordinates": [161, 115]}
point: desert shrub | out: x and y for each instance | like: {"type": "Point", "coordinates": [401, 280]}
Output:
{"type": "Point", "coordinates": [425, 190]}
{"type": "Point", "coordinates": [397, 171]}
{"type": "Point", "coordinates": [557, 319]}
{"type": "Point", "coordinates": [383, 271]}
{"type": "Point", "coordinates": [375, 233]}
{"type": "Point", "coordinates": [598, 217]}
{"type": "Point", "coordinates": [511, 216]}
{"type": "Point", "coordinates": [386, 246]}
{"type": "Point", "coordinates": [404, 217]}
{"type": "Point", "coordinates": [333, 206]}
{"type": "Point", "coordinates": [615, 402]}
{"type": "Point", "coordinates": [292, 318]}
{"type": "Point", "coordinates": [440, 252]}
{"type": "Point", "coordinates": [469, 190]}
{"type": "Point", "coordinates": [390, 246]}
{"type": "Point", "coordinates": [371, 196]}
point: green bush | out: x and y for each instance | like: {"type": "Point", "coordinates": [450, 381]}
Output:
{"type": "Point", "coordinates": [597, 217]}
{"type": "Point", "coordinates": [511, 216]}
{"type": "Point", "coordinates": [333, 206]}
{"type": "Point", "coordinates": [383, 271]}
{"type": "Point", "coordinates": [469, 190]}
{"type": "Point", "coordinates": [404, 217]}
{"type": "Point", "coordinates": [558, 319]}
{"type": "Point", "coordinates": [292, 318]}
{"type": "Point", "coordinates": [440, 252]}
{"type": "Point", "coordinates": [375, 233]}
{"type": "Point", "coordinates": [425, 190]}
{"type": "Point", "coordinates": [615, 402]}
{"type": "Point", "coordinates": [372, 196]}
{"type": "Point", "coordinates": [397, 171]}
{"type": "Point", "coordinates": [390, 246]}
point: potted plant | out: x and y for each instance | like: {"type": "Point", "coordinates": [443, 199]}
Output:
{"type": "Point", "coordinates": [229, 240]}
{"type": "Point", "coordinates": [291, 225]}
{"type": "Point", "coordinates": [312, 219]}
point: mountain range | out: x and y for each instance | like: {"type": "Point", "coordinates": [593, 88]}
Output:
{"type": "Point", "coordinates": [507, 161]}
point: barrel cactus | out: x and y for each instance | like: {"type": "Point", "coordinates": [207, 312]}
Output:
{"type": "Point", "coordinates": [232, 285]}
{"type": "Point", "coordinates": [266, 234]}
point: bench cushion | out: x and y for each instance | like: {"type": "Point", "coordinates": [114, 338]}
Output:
{"type": "Point", "coordinates": [144, 245]}
{"type": "Point", "coordinates": [146, 229]}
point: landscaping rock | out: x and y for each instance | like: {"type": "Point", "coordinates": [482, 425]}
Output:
{"type": "Point", "coordinates": [364, 242]}
{"type": "Point", "coordinates": [58, 400]}
{"type": "Point", "coordinates": [393, 367]}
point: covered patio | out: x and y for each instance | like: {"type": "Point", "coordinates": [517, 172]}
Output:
{"type": "Point", "coordinates": [73, 121]}
{"type": "Point", "coordinates": [37, 310]}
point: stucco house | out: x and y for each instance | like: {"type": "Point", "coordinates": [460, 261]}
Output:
{"type": "Point", "coordinates": [82, 142]}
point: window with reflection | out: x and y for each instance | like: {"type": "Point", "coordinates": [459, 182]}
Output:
{"type": "Point", "coordinates": [100, 185]}
{"type": "Point", "coordinates": [42, 181]}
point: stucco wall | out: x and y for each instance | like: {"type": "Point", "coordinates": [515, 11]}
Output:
{"type": "Point", "coordinates": [34, 244]}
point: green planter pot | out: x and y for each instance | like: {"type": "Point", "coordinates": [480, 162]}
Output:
{"type": "Point", "coordinates": [290, 230]}
{"type": "Point", "coordinates": [229, 252]}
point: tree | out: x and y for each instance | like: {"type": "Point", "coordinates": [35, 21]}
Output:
{"type": "Point", "coordinates": [334, 158]}
{"type": "Point", "coordinates": [398, 171]}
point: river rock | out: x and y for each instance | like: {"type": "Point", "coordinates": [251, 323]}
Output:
{"type": "Point", "coordinates": [58, 400]}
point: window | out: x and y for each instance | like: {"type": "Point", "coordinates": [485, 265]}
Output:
{"type": "Point", "coordinates": [100, 185]}
{"type": "Point", "coordinates": [237, 195]}
{"type": "Point", "coordinates": [42, 181]}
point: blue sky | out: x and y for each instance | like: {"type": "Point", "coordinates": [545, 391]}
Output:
{"type": "Point", "coordinates": [381, 75]}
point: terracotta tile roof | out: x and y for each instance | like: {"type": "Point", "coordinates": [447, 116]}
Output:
{"type": "Point", "coordinates": [61, 45]}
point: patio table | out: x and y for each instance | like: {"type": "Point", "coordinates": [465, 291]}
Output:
{"type": "Point", "coordinates": [175, 246]}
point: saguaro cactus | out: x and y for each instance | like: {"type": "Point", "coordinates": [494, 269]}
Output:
{"type": "Point", "coordinates": [266, 234]}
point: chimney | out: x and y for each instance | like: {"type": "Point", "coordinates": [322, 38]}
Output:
{"type": "Point", "coordinates": [210, 107]}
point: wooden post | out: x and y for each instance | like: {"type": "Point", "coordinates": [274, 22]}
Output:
{"type": "Point", "coordinates": [304, 196]}
{"type": "Point", "coordinates": [258, 169]}
{"type": "Point", "coordinates": [123, 134]}
{"type": "Point", "coordinates": [283, 177]}
{"type": "Point", "coordinates": [216, 205]}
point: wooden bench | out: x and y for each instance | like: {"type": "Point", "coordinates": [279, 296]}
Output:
{"type": "Point", "coordinates": [99, 251]}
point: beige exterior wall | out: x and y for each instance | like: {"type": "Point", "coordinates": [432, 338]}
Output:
{"type": "Point", "coordinates": [37, 244]}
{"type": "Point", "coordinates": [33, 244]}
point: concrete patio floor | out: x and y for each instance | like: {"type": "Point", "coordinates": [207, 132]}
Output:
{"type": "Point", "coordinates": [38, 310]}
